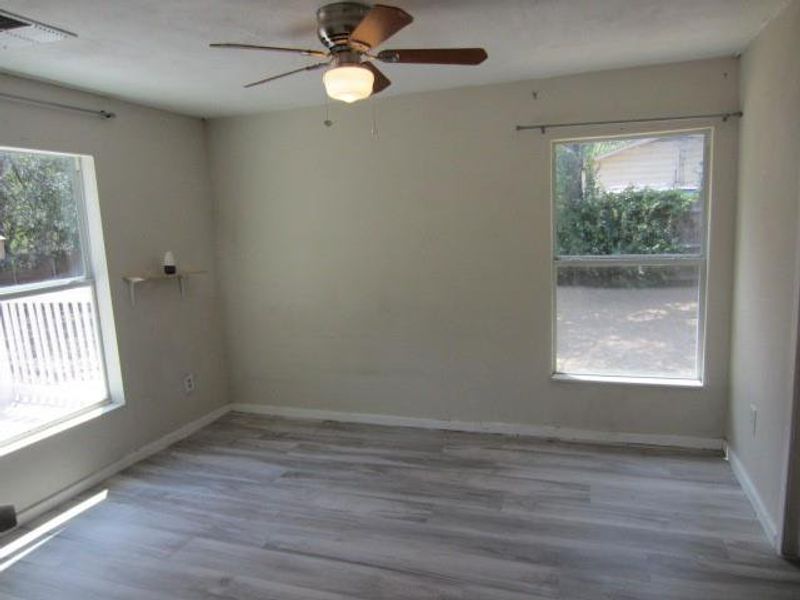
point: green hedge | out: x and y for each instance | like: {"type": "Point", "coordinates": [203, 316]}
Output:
{"type": "Point", "coordinates": [634, 221]}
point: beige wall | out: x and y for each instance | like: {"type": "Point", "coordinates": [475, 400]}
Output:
{"type": "Point", "coordinates": [410, 274]}
{"type": "Point", "coordinates": [154, 195]}
{"type": "Point", "coordinates": [766, 290]}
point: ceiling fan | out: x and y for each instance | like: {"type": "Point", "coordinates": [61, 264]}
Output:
{"type": "Point", "coordinates": [351, 31]}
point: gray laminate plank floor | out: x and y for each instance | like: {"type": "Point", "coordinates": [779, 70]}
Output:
{"type": "Point", "coordinates": [264, 508]}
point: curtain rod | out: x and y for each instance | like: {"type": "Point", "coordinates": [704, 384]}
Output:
{"type": "Point", "coordinates": [103, 114]}
{"type": "Point", "coordinates": [545, 126]}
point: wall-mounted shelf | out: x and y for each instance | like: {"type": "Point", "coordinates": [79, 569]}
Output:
{"type": "Point", "coordinates": [134, 280]}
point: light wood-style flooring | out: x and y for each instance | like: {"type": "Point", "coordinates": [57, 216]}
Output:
{"type": "Point", "coordinates": [275, 509]}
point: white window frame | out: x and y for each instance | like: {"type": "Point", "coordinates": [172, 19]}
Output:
{"type": "Point", "coordinates": [699, 260]}
{"type": "Point", "coordinates": [95, 277]}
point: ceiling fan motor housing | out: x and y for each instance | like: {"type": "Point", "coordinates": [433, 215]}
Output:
{"type": "Point", "coordinates": [335, 23]}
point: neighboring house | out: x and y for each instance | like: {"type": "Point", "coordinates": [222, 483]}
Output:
{"type": "Point", "coordinates": [658, 163]}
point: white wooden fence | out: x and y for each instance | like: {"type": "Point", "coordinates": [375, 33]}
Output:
{"type": "Point", "coordinates": [50, 339]}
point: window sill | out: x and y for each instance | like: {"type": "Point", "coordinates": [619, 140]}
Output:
{"type": "Point", "coordinates": [642, 381]}
{"type": "Point", "coordinates": [59, 426]}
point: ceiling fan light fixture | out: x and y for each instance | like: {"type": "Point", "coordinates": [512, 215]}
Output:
{"type": "Point", "coordinates": [350, 32]}
{"type": "Point", "coordinates": [348, 83]}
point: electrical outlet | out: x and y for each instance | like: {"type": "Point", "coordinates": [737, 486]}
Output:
{"type": "Point", "coordinates": [8, 518]}
{"type": "Point", "coordinates": [188, 383]}
{"type": "Point", "coordinates": [753, 417]}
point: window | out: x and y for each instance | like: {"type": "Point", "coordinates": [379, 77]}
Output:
{"type": "Point", "coordinates": [51, 353]}
{"type": "Point", "coordinates": [630, 255]}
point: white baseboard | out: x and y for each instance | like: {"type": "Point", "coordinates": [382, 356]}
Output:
{"type": "Point", "coordinates": [752, 494]}
{"type": "Point", "coordinates": [539, 431]}
{"type": "Point", "coordinates": [92, 480]}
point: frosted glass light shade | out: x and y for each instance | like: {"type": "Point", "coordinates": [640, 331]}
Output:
{"type": "Point", "coordinates": [348, 83]}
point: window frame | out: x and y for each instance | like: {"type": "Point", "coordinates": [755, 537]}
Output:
{"type": "Point", "coordinates": [698, 260]}
{"type": "Point", "coordinates": [82, 189]}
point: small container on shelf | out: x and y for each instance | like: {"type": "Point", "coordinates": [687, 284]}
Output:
{"type": "Point", "coordinates": [170, 267]}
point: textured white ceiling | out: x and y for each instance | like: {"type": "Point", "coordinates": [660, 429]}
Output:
{"type": "Point", "coordinates": [156, 51]}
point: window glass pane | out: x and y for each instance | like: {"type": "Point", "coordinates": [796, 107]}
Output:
{"type": "Point", "coordinates": [39, 224]}
{"type": "Point", "coordinates": [639, 195]}
{"type": "Point", "coordinates": [637, 321]}
{"type": "Point", "coordinates": [50, 359]}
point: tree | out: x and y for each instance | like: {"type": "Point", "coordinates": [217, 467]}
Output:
{"type": "Point", "coordinates": [38, 210]}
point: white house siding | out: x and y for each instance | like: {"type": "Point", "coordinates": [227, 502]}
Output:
{"type": "Point", "coordinates": [661, 164]}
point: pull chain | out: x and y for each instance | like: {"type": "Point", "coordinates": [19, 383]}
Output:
{"type": "Point", "coordinates": [374, 130]}
{"type": "Point", "coordinates": [327, 120]}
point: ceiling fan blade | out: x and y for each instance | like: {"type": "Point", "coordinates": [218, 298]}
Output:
{"type": "Point", "coordinates": [316, 53]}
{"type": "Point", "coordinates": [435, 56]}
{"type": "Point", "coordinates": [381, 81]}
{"type": "Point", "coordinates": [380, 23]}
{"type": "Point", "coordinates": [300, 70]}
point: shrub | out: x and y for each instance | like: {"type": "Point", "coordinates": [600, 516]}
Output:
{"type": "Point", "coordinates": [634, 221]}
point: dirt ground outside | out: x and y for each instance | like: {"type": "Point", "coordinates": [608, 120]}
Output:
{"type": "Point", "coordinates": [649, 332]}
